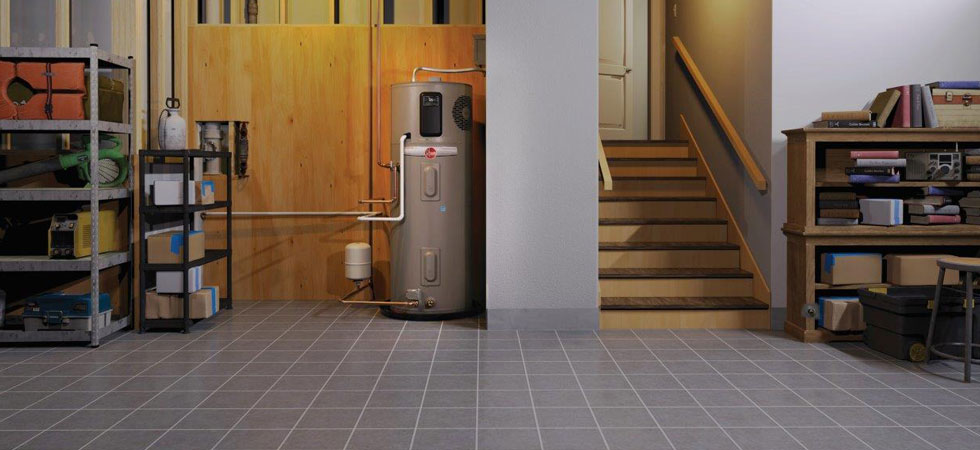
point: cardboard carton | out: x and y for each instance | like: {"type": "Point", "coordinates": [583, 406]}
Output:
{"type": "Point", "coordinates": [207, 193]}
{"type": "Point", "coordinates": [168, 248]}
{"type": "Point", "coordinates": [918, 270]}
{"type": "Point", "coordinates": [850, 268]}
{"type": "Point", "coordinates": [841, 314]}
{"type": "Point", "coordinates": [204, 303]}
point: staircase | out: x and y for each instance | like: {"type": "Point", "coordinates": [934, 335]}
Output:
{"type": "Point", "coordinates": [667, 254]}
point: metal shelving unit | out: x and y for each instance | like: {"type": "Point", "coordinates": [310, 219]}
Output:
{"type": "Point", "coordinates": [186, 212]}
{"type": "Point", "coordinates": [95, 60]}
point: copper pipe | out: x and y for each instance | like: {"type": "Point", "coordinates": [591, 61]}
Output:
{"type": "Point", "coordinates": [358, 287]}
{"type": "Point", "coordinates": [387, 201]}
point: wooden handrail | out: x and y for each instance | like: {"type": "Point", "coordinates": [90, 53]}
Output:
{"type": "Point", "coordinates": [607, 181]}
{"type": "Point", "coordinates": [726, 124]}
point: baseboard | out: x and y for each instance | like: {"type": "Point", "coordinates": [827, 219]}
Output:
{"type": "Point", "coordinates": [543, 319]}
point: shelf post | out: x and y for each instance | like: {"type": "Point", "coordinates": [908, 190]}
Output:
{"type": "Point", "coordinates": [93, 164]}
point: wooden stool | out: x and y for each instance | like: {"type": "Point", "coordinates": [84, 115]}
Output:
{"type": "Point", "coordinates": [969, 266]}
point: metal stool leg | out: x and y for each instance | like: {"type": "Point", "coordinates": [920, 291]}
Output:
{"type": "Point", "coordinates": [935, 312]}
{"type": "Point", "coordinates": [968, 330]}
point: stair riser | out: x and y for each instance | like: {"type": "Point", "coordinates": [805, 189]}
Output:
{"type": "Point", "coordinates": [671, 188]}
{"type": "Point", "coordinates": [640, 170]}
{"type": "Point", "coordinates": [674, 287]}
{"type": "Point", "coordinates": [679, 151]}
{"type": "Point", "coordinates": [663, 233]}
{"type": "Point", "coordinates": [651, 320]}
{"type": "Point", "coordinates": [667, 259]}
{"type": "Point", "coordinates": [657, 210]}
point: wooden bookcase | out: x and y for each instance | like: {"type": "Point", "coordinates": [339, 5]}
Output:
{"type": "Point", "coordinates": [815, 159]}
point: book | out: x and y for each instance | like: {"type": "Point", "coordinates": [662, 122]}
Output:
{"type": "Point", "coordinates": [955, 84]}
{"type": "Point", "coordinates": [878, 154]}
{"type": "Point", "coordinates": [836, 221]}
{"type": "Point", "coordinates": [838, 204]}
{"type": "Point", "coordinates": [884, 171]}
{"type": "Point", "coordinates": [915, 105]}
{"type": "Point", "coordinates": [868, 179]}
{"type": "Point", "coordinates": [878, 162]}
{"type": "Point", "coordinates": [929, 119]}
{"type": "Point", "coordinates": [845, 124]}
{"type": "Point", "coordinates": [846, 195]}
{"type": "Point", "coordinates": [973, 194]}
{"type": "Point", "coordinates": [857, 116]}
{"type": "Point", "coordinates": [973, 169]}
{"type": "Point", "coordinates": [903, 111]}
{"type": "Point", "coordinates": [973, 177]}
{"type": "Point", "coordinates": [935, 190]}
{"type": "Point", "coordinates": [947, 210]}
{"type": "Point", "coordinates": [840, 213]}
{"type": "Point", "coordinates": [971, 211]}
{"type": "Point", "coordinates": [971, 160]}
{"type": "Point", "coordinates": [935, 200]}
{"type": "Point", "coordinates": [933, 219]}
{"type": "Point", "coordinates": [971, 152]}
{"type": "Point", "coordinates": [973, 220]}
{"type": "Point", "coordinates": [883, 106]}
{"type": "Point", "coordinates": [970, 202]}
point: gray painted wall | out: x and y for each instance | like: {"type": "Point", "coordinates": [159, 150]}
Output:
{"type": "Point", "coordinates": [730, 42]}
{"type": "Point", "coordinates": [542, 208]}
{"type": "Point", "coordinates": [817, 67]}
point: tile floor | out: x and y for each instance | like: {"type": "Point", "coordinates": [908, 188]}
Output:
{"type": "Point", "coordinates": [308, 375]}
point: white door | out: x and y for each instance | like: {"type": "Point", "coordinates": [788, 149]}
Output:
{"type": "Point", "coordinates": [623, 61]}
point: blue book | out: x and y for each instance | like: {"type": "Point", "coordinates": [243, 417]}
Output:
{"type": "Point", "coordinates": [956, 84]}
{"type": "Point", "coordinates": [936, 190]}
{"type": "Point", "coordinates": [867, 179]}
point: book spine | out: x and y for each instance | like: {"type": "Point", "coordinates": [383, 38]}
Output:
{"type": "Point", "coordinates": [929, 119]}
{"type": "Point", "coordinates": [956, 84]}
{"type": "Point", "coordinates": [840, 213]}
{"type": "Point", "coordinates": [837, 196]}
{"type": "Point", "coordinates": [935, 219]}
{"type": "Point", "coordinates": [867, 179]}
{"type": "Point", "coordinates": [874, 162]}
{"type": "Point", "coordinates": [844, 124]}
{"type": "Point", "coordinates": [934, 190]}
{"type": "Point", "coordinates": [916, 105]}
{"type": "Point", "coordinates": [971, 160]}
{"type": "Point", "coordinates": [881, 154]}
{"type": "Point", "coordinates": [903, 112]}
{"type": "Point", "coordinates": [836, 221]}
{"type": "Point", "coordinates": [858, 116]}
{"type": "Point", "coordinates": [885, 171]}
{"type": "Point", "coordinates": [838, 204]}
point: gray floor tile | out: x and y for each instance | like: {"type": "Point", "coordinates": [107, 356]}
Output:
{"type": "Point", "coordinates": [857, 416]}
{"type": "Point", "coordinates": [890, 438]}
{"type": "Point", "coordinates": [623, 418]}
{"type": "Point", "coordinates": [34, 419]}
{"type": "Point", "coordinates": [92, 419]}
{"type": "Point", "coordinates": [565, 417]}
{"type": "Point", "coordinates": [374, 440]}
{"type": "Point", "coordinates": [740, 417]}
{"type": "Point", "coordinates": [445, 439]}
{"type": "Point", "coordinates": [124, 439]}
{"type": "Point", "coordinates": [11, 439]}
{"type": "Point", "coordinates": [699, 439]}
{"type": "Point", "coordinates": [506, 418]}
{"type": "Point", "coordinates": [763, 439]}
{"type": "Point", "coordinates": [152, 419]}
{"type": "Point", "coordinates": [635, 439]}
{"type": "Point", "coordinates": [827, 438]}
{"type": "Point", "coordinates": [918, 416]}
{"type": "Point", "coordinates": [252, 439]}
{"type": "Point", "coordinates": [60, 440]}
{"type": "Point", "coordinates": [507, 399]}
{"type": "Point", "coordinates": [967, 416]}
{"type": "Point", "coordinates": [329, 418]}
{"type": "Point", "coordinates": [682, 417]}
{"type": "Point", "coordinates": [564, 398]}
{"type": "Point", "coordinates": [188, 440]}
{"type": "Point", "coordinates": [269, 419]}
{"type": "Point", "coordinates": [229, 399]}
{"type": "Point", "coordinates": [402, 399]}
{"type": "Point", "coordinates": [572, 439]}
{"type": "Point", "coordinates": [447, 418]}
{"type": "Point", "coordinates": [205, 419]}
{"type": "Point", "coordinates": [663, 398]}
{"type": "Point", "coordinates": [388, 418]}
{"type": "Point", "coordinates": [435, 399]}
{"type": "Point", "coordinates": [799, 416]}
{"type": "Point", "coordinates": [496, 439]}
{"type": "Point", "coordinates": [721, 397]}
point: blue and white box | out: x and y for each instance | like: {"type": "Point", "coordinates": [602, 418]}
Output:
{"type": "Point", "coordinates": [173, 282]}
{"type": "Point", "coordinates": [881, 211]}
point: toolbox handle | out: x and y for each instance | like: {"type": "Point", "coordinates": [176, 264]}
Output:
{"type": "Point", "coordinates": [54, 318]}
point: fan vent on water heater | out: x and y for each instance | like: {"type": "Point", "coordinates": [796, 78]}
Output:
{"type": "Point", "coordinates": [462, 112]}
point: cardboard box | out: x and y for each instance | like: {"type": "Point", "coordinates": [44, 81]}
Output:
{"type": "Point", "coordinates": [918, 270]}
{"type": "Point", "coordinates": [173, 282]}
{"type": "Point", "coordinates": [881, 211]}
{"type": "Point", "coordinates": [850, 268]}
{"type": "Point", "coordinates": [167, 193]}
{"type": "Point", "coordinates": [207, 193]}
{"type": "Point", "coordinates": [168, 248]}
{"type": "Point", "coordinates": [204, 303]}
{"type": "Point", "coordinates": [840, 314]}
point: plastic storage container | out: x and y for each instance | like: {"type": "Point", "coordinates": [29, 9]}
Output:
{"type": "Point", "coordinates": [898, 320]}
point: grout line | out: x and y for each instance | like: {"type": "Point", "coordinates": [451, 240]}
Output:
{"type": "Point", "coordinates": [577, 381]}
{"type": "Point", "coordinates": [189, 342]}
{"type": "Point", "coordinates": [530, 391]}
{"type": "Point", "coordinates": [425, 391]}
{"type": "Point", "coordinates": [637, 394]}
{"type": "Point", "coordinates": [376, 382]}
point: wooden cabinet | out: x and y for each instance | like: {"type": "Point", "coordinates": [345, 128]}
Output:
{"type": "Point", "coordinates": [814, 164]}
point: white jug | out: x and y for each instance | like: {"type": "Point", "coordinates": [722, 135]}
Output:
{"type": "Point", "coordinates": [171, 128]}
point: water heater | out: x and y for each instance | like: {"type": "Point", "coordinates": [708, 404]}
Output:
{"type": "Point", "coordinates": [431, 249]}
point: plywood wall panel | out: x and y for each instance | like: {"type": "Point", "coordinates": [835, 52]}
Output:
{"type": "Point", "coordinates": [304, 91]}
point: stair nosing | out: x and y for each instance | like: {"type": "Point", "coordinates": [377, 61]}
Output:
{"type": "Point", "coordinates": [686, 273]}
{"type": "Point", "coordinates": [651, 158]}
{"type": "Point", "coordinates": [678, 246]}
{"type": "Point", "coordinates": [661, 178]}
{"type": "Point", "coordinates": [640, 198]}
{"type": "Point", "coordinates": [661, 221]}
{"type": "Point", "coordinates": [753, 304]}
{"type": "Point", "coordinates": [643, 143]}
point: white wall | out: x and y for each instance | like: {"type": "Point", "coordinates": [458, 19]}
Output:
{"type": "Point", "coordinates": [542, 207]}
{"type": "Point", "coordinates": [837, 54]}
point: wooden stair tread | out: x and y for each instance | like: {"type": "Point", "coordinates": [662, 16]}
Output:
{"type": "Point", "coordinates": [649, 159]}
{"type": "Point", "coordinates": [661, 221]}
{"type": "Point", "coordinates": [681, 303]}
{"type": "Point", "coordinates": [661, 178]}
{"type": "Point", "coordinates": [667, 246]}
{"type": "Point", "coordinates": [647, 198]}
{"type": "Point", "coordinates": [693, 272]}
{"type": "Point", "coordinates": [645, 143]}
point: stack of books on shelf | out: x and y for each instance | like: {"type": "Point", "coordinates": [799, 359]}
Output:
{"type": "Point", "coordinates": [937, 207]}
{"type": "Point", "coordinates": [943, 104]}
{"type": "Point", "coordinates": [971, 163]}
{"type": "Point", "coordinates": [875, 166]}
{"type": "Point", "coordinates": [838, 208]}
{"type": "Point", "coordinates": [971, 207]}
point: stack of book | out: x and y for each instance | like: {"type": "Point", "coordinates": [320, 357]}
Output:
{"type": "Point", "coordinates": [971, 163]}
{"type": "Point", "coordinates": [875, 166]}
{"type": "Point", "coordinates": [845, 119]}
{"type": "Point", "coordinates": [938, 206]}
{"type": "Point", "coordinates": [837, 208]}
{"type": "Point", "coordinates": [971, 207]}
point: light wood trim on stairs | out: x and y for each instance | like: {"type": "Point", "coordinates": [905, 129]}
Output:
{"type": "Point", "coordinates": [747, 261]}
{"type": "Point", "coordinates": [726, 124]}
{"type": "Point", "coordinates": [607, 180]}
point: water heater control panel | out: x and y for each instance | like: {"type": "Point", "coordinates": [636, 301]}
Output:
{"type": "Point", "coordinates": [430, 114]}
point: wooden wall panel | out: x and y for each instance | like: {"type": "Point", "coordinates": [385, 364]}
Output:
{"type": "Point", "coordinates": [305, 92]}
{"type": "Point", "coordinates": [404, 47]}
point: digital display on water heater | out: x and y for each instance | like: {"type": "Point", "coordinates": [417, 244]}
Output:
{"type": "Point", "coordinates": [430, 114]}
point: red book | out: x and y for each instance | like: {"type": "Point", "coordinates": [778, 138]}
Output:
{"type": "Point", "coordinates": [932, 219]}
{"type": "Point", "coordinates": [903, 111]}
{"type": "Point", "coordinates": [874, 154]}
